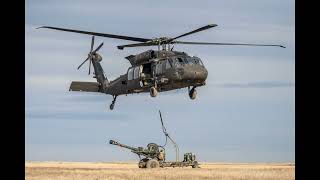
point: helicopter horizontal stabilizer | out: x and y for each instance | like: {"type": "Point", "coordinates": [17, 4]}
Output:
{"type": "Point", "coordinates": [84, 86]}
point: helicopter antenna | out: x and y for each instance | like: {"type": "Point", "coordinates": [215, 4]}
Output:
{"type": "Point", "coordinates": [167, 136]}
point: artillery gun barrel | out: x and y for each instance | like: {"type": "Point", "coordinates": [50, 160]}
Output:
{"type": "Point", "coordinates": [122, 145]}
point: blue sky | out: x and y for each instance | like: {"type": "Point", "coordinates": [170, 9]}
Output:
{"type": "Point", "coordinates": [245, 113]}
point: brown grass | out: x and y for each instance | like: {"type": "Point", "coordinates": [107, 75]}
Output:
{"type": "Point", "coordinates": [125, 171]}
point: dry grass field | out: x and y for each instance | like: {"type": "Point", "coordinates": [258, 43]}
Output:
{"type": "Point", "coordinates": [124, 171]}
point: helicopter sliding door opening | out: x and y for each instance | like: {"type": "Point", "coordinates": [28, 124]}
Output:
{"type": "Point", "coordinates": [146, 75]}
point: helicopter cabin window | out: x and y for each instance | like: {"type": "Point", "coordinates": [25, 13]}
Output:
{"type": "Point", "coordinates": [130, 74]}
{"type": "Point", "coordinates": [159, 68]}
{"type": "Point", "coordinates": [136, 72]}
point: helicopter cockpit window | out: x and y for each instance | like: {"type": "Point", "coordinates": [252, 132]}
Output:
{"type": "Point", "coordinates": [176, 63]}
{"type": "Point", "coordinates": [185, 60]}
{"type": "Point", "coordinates": [130, 74]}
{"type": "Point", "coordinates": [190, 60]}
{"type": "Point", "coordinates": [194, 60]}
{"type": "Point", "coordinates": [168, 64]}
{"type": "Point", "coordinates": [164, 64]}
{"type": "Point", "coordinates": [159, 68]}
{"type": "Point", "coordinates": [200, 62]}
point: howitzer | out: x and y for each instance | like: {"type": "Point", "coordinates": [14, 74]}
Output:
{"type": "Point", "coordinates": [152, 151]}
{"type": "Point", "coordinates": [154, 156]}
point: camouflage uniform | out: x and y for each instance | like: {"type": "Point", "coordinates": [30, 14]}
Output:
{"type": "Point", "coordinates": [161, 155]}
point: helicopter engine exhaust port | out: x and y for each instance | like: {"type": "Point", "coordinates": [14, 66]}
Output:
{"type": "Point", "coordinates": [193, 93]}
{"type": "Point", "coordinates": [153, 92]}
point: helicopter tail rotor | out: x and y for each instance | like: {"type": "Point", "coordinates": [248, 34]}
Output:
{"type": "Point", "coordinates": [92, 56]}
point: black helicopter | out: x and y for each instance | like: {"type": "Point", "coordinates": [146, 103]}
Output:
{"type": "Point", "coordinates": [151, 71]}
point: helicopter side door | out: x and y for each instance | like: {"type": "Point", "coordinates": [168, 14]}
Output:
{"type": "Point", "coordinates": [160, 71]}
{"type": "Point", "coordinates": [134, 79]}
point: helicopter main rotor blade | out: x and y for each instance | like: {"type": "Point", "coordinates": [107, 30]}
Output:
{"type": "Point", "coordinates": [137, 45]}
{"type": "Point", "coordinates": [99, 34]}
{"type": "Point", "coordinates": [89, 65]}
{"type": "Point", "coordinates": [240, 44]}
{"type": "Point", "coordinates": [194, 31]}
{"type": "Point", "coordinates": [92, 43]}
{"type": "Point", "coordinates": [83, 62]}
{"type": "Point", "coordinates": [97, 48]}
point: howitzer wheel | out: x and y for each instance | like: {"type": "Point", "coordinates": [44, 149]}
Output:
{"type": "Point", "coordinates": [153, 163]}
{"type": "Point", "coordinates": [195, 165]}
{"type": "Point", "coordinates": [143, 163]}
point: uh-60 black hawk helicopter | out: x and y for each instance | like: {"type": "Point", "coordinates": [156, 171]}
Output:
{"type": "Point", "coordinates": [151, 71]}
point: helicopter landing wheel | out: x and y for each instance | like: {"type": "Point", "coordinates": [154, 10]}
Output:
{"type": "Point", "coordinates": [111, 106]}
{"type": "Point", "coordinates": [153, 92]}
{"type": "Point", "coordinates": [193, 93]}
{"type": "Point", "coordinates": [113, 102]}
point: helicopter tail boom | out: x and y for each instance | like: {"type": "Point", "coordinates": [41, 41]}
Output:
{"type": "Point", "coordinates": [99, 74]}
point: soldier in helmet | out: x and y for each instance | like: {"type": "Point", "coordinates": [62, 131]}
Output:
{"type": "Point", "coordinates": [161, 156]}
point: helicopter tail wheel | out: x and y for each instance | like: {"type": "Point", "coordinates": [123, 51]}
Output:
{"type": "Point", "coordinates": [113, 102]}
{"type": "Point", "coordinates": [193, 93]}
{"type": "Point", "coordinates": [153, 92]}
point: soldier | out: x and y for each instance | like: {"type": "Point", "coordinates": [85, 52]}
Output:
{"type": "Point", "coordinates": [161, 156]}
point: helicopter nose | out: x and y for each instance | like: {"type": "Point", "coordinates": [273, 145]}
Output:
{"type": "Point", "coordinates": [195, 73]}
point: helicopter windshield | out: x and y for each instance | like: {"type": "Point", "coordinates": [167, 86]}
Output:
{"type": "Point", "coordinates": [197, 60]}
{"type": "Point", "coordinates": [193, 60]}
{"type": "Point", "coordinates": [181, 61]}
